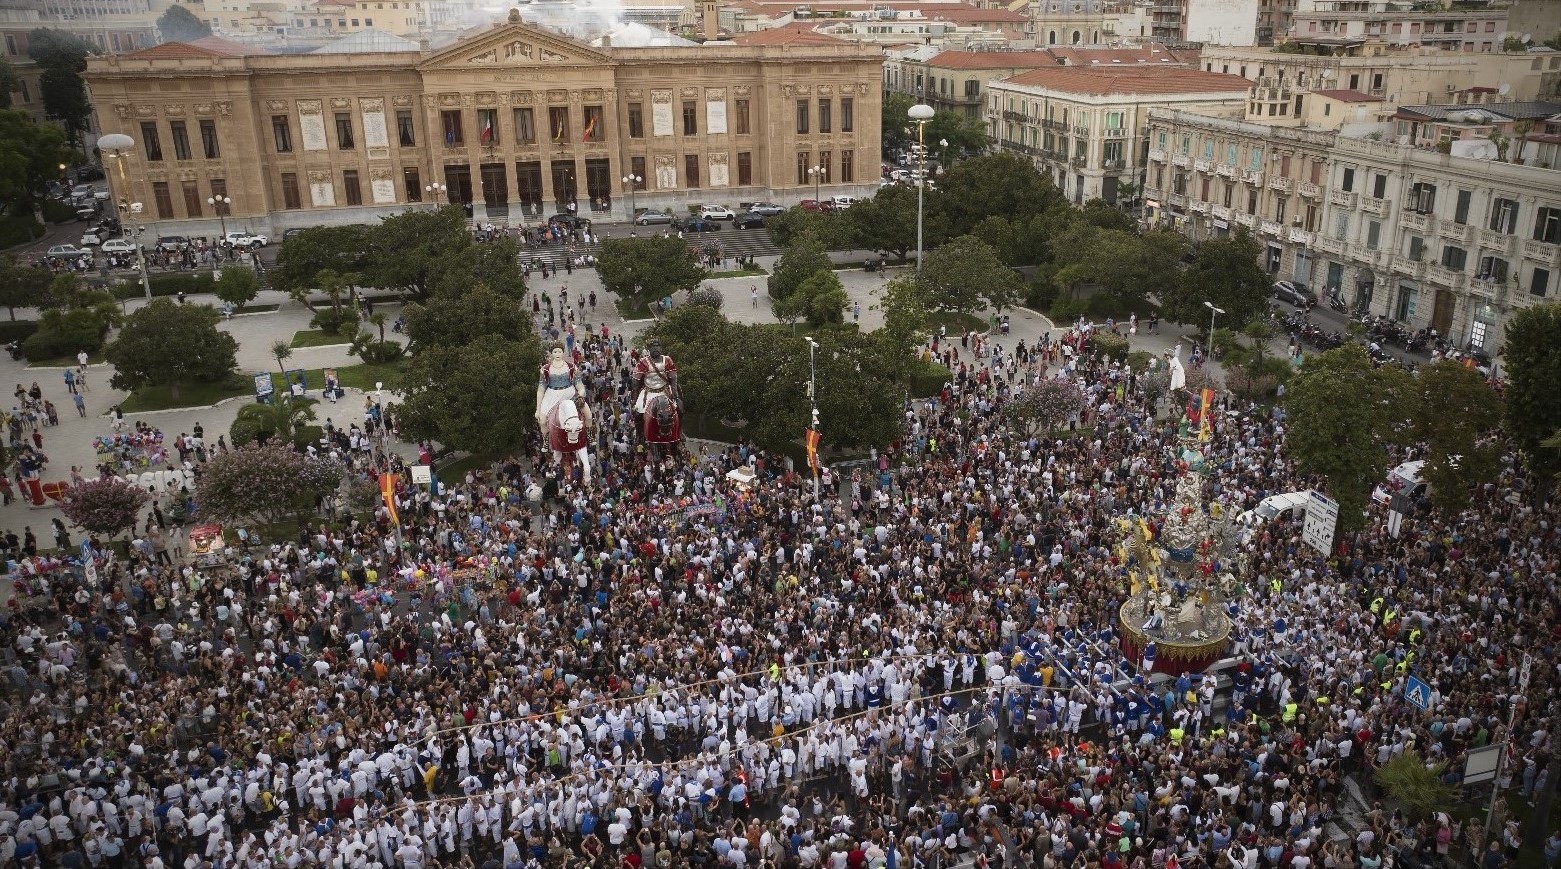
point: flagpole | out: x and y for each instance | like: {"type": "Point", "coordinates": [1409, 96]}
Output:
{"type": "Point", "coordinates": [813, 406]}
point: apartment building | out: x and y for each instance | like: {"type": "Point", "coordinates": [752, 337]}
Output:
{"type": "Point", "coordinates": [1468, 25]}
{"type": "Point", "coordinates": [1086, 127]}
{"type": "Point", "coordinates": [955, 80]}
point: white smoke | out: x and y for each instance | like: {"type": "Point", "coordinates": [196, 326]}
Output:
{"type": "Point", "coordinates": [582, 19]}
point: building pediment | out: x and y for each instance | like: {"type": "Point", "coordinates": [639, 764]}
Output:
{"type": "Point", "coordinates": [516, 46]}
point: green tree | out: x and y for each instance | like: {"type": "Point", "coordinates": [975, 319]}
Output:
{"type": "Point", "coordinates": [965, 274]}
{"type": "Point", "coordinates": [494, 265]}
{"type": "Point", "coordinates": [266, 483]}
{"type": "Point", "coordinates": [834, 228]}
{"type": "Point", "coordinates": [1457, 417]}
{"type": "Point", "coordinates": [1417, 786]}
{"type": "Point", "coordinates": [409, 251]}
{"type": "Point", "coordinates": [9, 82]}
{"type": "Point", "coordinates": [168, 344]}
{"type": "Point", "coordinates": [805, 258]}
{"type": "Point", "coordinates": [21, 285]}
{"type": "Point", "coordinates": [649, 268]}
{"type": "Point", "coordinates": [62, 57]}
{"type": "Point", "coordinates": [30, 156]}
{"type": "Point", "coordinates": [281, 351]}
{"type": "Point", "coordinates": [302, 258]}
{"type": "Point", "coordinates": [1344, 414]}
{"type": "Point", "coordinates": [282, 420]}
{"type": "Point", "coordinates": [478, 397]}
{"type": "Point", "coordinates": [964, 134]}
{"type": "Point", "coordinates": [237, 285]}
{"type": "Point", "coordinates": [819, 299]}
{"type": "Point", "coordinates": [1533, 403]}
{"type": "Point", "coordinates": [998, 184]}
{"type": "Point", "coordinates": [1127, 266]}
{"type": "Point", "coordinates": [179, 24]}
{"type": "Point", "coordinates": [898, 134]}
{"type": "Point", "coordinates": [887, 221]}
{"type": "Point", "coordinates": [1097, 212]}
{"type": "Point", "coordinates": [1225, 273]}
{"type": "Point", "coordinates": [480, 314]}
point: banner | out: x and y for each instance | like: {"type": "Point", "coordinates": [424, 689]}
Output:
{"type": "Point", "coordinates": [387, 488]}
{"type": "Point", "coordinates": [1204, 423]}
{"type": "Point", "coordinates": [812, 441]}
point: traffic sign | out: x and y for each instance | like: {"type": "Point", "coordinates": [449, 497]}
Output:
{"type": "Point", "coordinates": [1322, 514]}
{"type": "Point", "coordinates": [1418, 693]}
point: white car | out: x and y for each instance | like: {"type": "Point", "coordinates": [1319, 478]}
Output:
{"type": "Point", "coordinates": [244, 238]}
{"type": "Point", "coordinates": [118, 245]}
{"type": "Point", "coordinates": [716, 212]}
{"type": "Point", "coordinates": [91, 237]}
{"type": "Point", "coordinates": [844, 202]}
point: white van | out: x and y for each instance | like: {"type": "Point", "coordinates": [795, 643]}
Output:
{"type": "Point", "coordinates": [1290, 505]}
{"type": "Point", "coordinates": [1405, 479]}
{"type": "Point", "coordinates": [844, 202]}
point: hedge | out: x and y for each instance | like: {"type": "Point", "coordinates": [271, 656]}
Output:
{"type": "Point", "coordinates": [16, 330]}
{"type": "Point", "coordinates": [19, 230]}
{"type": "Point", "coordinates": [55, 211]}
{"type": "Point", "coordinates": [167, 284]}
{"type": "Point", "coordinates": [927, 379]}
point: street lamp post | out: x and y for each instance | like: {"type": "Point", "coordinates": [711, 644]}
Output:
{"type": "Point", "coordinates": [221, 203]}
{"type": "Point", "coordinates": [813, 400]}
{"type": "Point", "coordinates": [1212, 311]}
{"type": "Point", "coordinates": [817, 174]}
{"type": "Point", "coordinates": [921, 113]}
{"type": "Point", "coordinates": [437, 191]}
{"type": "Point", "coordinates": [116, 145]}
{"type": "Point", "coordinates": [632, 182]}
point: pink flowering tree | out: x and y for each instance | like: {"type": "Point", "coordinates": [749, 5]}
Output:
{"type": "Point", "coordinates": [104, 506]}
{"type": "Point", "coordinates": [1045, 407]}
{"type": "Point", "coordinates": [266, 483]}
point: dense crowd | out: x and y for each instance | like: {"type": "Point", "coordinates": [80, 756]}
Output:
{"type": "Point", "coordinates": [919, 667]}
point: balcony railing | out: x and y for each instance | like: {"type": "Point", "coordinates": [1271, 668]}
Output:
{"type": "Point", "coordinates": [1373, 205]}
{"type": "Point", "coordinates": [1415, 221]}
{"type": "Point", "coordinates": [1309, 190]}
{"type": "Point", "coordinates": [1540, 251]}
{"type": "Point", "coordinates": [1270, 227]}
{"type": "Point", "coordinates": [1451, 231]}
{"type": "Point", "coordinates": [1341, 198]}
{"type": "Point", "coordinates": [1283, 185]}
{"type": "Point", "coordinates": [1157, 155]}
{"type": "Point", "coordinates": [1498, 241]}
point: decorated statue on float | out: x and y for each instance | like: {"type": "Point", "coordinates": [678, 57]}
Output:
{"type": "Point", "coordinates": [659, 403]}
{"type": "Point", "coordinates": [562, 414]}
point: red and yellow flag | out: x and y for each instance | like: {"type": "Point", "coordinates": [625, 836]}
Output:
{"type": "Point", "coordinates": [1204, 423]}
{"type": "Point", "coordinates": [387, 488]}
{"type": "Point", "coordinates": [812, 441]}
{"type": "Point", "coordinates": [590, 129]}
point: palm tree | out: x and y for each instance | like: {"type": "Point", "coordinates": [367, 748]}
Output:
{"type": "Point", "coordinates": [378, 319]}
{"type": "Point", "coordinates": [282, 420]}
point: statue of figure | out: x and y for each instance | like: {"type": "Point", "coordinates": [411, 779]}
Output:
{"type": "Point", "coordinates": [659, 402]}
{"type": "Point", "coordinates": [562, 412]}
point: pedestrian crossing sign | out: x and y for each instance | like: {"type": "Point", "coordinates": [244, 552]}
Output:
{"type": "Point", "coordinates": [1418, 693]}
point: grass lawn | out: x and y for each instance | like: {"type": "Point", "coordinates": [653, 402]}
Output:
{"type": "Point", "coordinates": [631, 308]}
{"type": "Point", "coordinates": [256, 309]}
{"type": "Point", "coordinates": [152, 398]}
{"type": "Point", "coordinates": [956, 322]}
{"type": "Point", "coordinates": [458, 469]}
{"type": "Point", "coordinates": [739, 273]}
{"type": "Point", "coordinates": [317, 338]}
{"type": "Point", "coordinates": [66, 361]}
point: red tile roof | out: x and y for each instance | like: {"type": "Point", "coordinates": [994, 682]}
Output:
{"type": "Point", "coordinates": [1145, 54]}
{"type": "Point", "coordinates": [788, 35]}
{"type": "Point", "coordinates": [1348, 96]}
{"type": "Point", "coordinates": [206, 46]}
{"type": "Point", "coordinates": [1130, 80]}
{"type": "Point", "coordinates": [991, 60]}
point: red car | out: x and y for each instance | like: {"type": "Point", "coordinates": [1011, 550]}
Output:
{"type": "Point", "coordinates": [816, 205]}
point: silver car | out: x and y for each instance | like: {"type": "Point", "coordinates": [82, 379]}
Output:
{"type": "Point", "coordinates": [652, 215]}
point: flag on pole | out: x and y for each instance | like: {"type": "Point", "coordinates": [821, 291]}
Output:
{"type": "Point", "coordinates": [387, 488]}
{"type": "Point", "coordinates": [590, 129]}
{"type": "Point", "coordinates": [1204, 423]}
{"type": "Point", "coordinates": [487, 130]}
{"type": "Point", "coordinates": [812, 441]}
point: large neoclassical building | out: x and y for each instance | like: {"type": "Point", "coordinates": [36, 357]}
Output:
{"type": "Point", "coordinates": [519, 121]}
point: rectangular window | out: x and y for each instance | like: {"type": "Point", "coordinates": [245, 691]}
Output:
{"type": "Point", "coordinates": [181, 140]}
{"type": "Point", "coordinates": [636, 121]}
{"type": "Point", "coordinates": [349, 183]}
{"type": "Point", "coordinates": [163, 199]}
{"type": "Point", "coordinates": [744, 168]}
{"type": "Point", "coordinates": [1455, 257]}
{"type": "Point", "coordinates": [290, 198]}
{"type": "Point", "coordinates": [1373, 235]}
{"type": "Point", "coordinates": [282, 135]}
{"type": "Point", "coordinates": [412, 183]}
{"type": "Point", "coordinates": [1504, 215]}
{"type": "Point", "coordinates": [450, 125]}
{"type": "Point", "coordinates": [848, 114]}
{"type": "Point", "coordinates": [1461, 210]}
{"type": "Point", "coordinates": [406, 133]}
{"type": "Point", "coordinates": [1547, 225]}
{"type": "Point", "coordinates": [1348, 181]}
{"type": "Point", "coordinates": [824, 119]}
{"type": "Point", "coordinates": [802, 168]}
{"type": "Point", "coordinates": [595, 130]}
{"type": "Point", "coordinates": [637, 169]}
{"type": "Point", "coordinates": [1540, 284]}
{"type": "Point", "coordinates": [690, 118]}
{"type": "Point", "coordinates": [558, 124]}
{"type": "Point", "coordinates": [1252, 201]}
{"type": "Point", "coordinates": [1255, 160]}
{"type": "Point", "coordinates": [219, 189]}
{"type": "Point", "coordinates": [1422, 197]}
{"type": "Point", "coordinates": [1379, 186]}
{"type": "Point", "coordinates": [525, 126]}
{"type": "Point", "coordinates": [1280, 204]}
{"type": "Point", "coordinates": [1208, 150]}
{"type": "Point", "coordinates": [192, 198]}
{"type": "Point", "coordinates": [847, 167]}
{"type": "Point", "coordinates": [802, 116]}
{"type": "Point", "coordinates": [1416, 248]}
{"type": "Point", "coordinates": [1230, 150]}
{"type": "Point", "coordinates": [488, 126]}
{"type": "Point", "coordinates": [824, 159]}
{"type": "Point", "coordinates": [742, 118]}
{"type": "Point", "coordinates": [691, 170]}
{"type": "Point", "coordinates": [209, 145]}
{"type": "Point", "coordinates": [1493, 269]}
{"type": "Point", "coordinates": [150, 142]}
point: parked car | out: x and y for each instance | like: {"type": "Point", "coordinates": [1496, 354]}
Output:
{"type": "Point", "coordinates": [816, 205]}
{"type": "Point", "coordinates": [569, 221]}
{"type": "Point", "coordinates": [90, 238]}
{"type": "Point", "coordinates": [653, 215]}
{"type": "Point", "coordinates": [245, 238]}
{"type": "Point", "coordinates": [699, 224]}
{"type": "Point", "coordinates": [289, 233]}
{"type": "Point", "coordinates": [715, 212]}
{"type": "Point", "coordinates": [1294, 292]}
{"type": "Point", "coordinates": [118, 245]}
{"type": "Point", "coordinates": [843, 202]}
{"type": "Point", "coordinates": [748, 220]}
{"type": "Point", "coordinates": [67, 251]}
{"type": "Point", "coordinates": [173, 243]}
{"type": "Point", "coordinates": [768, 209]}
{"type": "Point", "coordinates": [86, 212]}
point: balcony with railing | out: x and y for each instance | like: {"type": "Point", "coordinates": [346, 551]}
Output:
{"type": "Point", "coordinates": [1329, 244]}
{"type": "Point", "coordinates": [1204, 166]}
{"type": "Point", "coordinates": [1117, 132]}
{"type": "Point", "coordinates": [1049, 124]}
{"type": "Point", "coordinates": [1414, 221]}
{"type": "Point", "coordinates": [1498, 242]}
{"type": "Point", "coordinates": [1413, 268]}
{"type": "Point", "coordinates": [1446, 277]}
{"type": "Point", "coordinates": [1282, 184]}
{"type": "Point", "coordinates": [1271, 227]}
{"type": "Point", "coordinates": [1225, 170]}
{"type": "Point", "coordinates": [1540, 251]}
{"type": "Point", "coordinates": [1309, 190]}
{"type": "Point", "coordinates": [1247, 220]}
{"type": "Point", "coordinates": [1181, 160]}
{"type": "Point", "coordinates": [1373, 205]}
{"type": "Point", "coordinates": [1253, 177]}
{"type": "Point", "coordinates": [1342, 198]}
{"type": "Point", "coordinates": [1157, 155]}
{"type": "Point", "coordinates": [1113, 165]}
{"type": "Point", "coordinates": [1301, 236]}
{"type": "Point", "coordinates": [1221, 211]}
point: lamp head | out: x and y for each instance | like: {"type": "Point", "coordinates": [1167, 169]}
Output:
{"type": "Point", "coordinates": [921, 112]}
{"type": "Point", "coordinates": [116, 142]}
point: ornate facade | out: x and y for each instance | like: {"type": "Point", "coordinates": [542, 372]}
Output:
{"type": "Point", "coordinates": [517, 121]}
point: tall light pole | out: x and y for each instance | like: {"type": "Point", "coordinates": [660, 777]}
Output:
{"type": "Point", "coordinates": [1212, 311]}
{"type": "Point", "coordinates": [221, 203]}
{"type": "Point", "coordinates": [632, 182]}
{"type": "Point", "coordinates": [921, 113]}
{"type": "Point", "coordinates": [813, 402]}
{"type": "Point", "coordinates": [437, 191]}
{"type": "Point", "coordinates": [816, 173]}
{"type": "Point", "coordinates": [117, 145]}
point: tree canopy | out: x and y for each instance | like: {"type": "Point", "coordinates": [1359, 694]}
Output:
{"type": "Point", "coordinates": [887, 221]}
{"type": "Point", "coordinates": [30, 157]}
{"type": "Point", "coordinates": [805, 258]}
{"type": "Point", "coordinates": [166, 343]}
{"type": "Point", "coordinates": [650, 268]}
{"type": "Point", "coordinates": [107, 505]}
{"type": "Point", "coordinates": [179, 24]}
{"type": "Point", "coordinates": [1533, 403]}
{"type": "Point", "coordinates": [454, 321]}
{"type": "Point", "coordinates": [264, 482]}
{"type": "Point", "coordinates": [999, 184]}
{"type": "Point", "coordinates": [1225, 272]}
{"type": "Point", "coordinates": [966, 274]}
{"type": "Point", "coordinates": [62, 57]}
{"type": "Point", "coordinates": [21, 285]}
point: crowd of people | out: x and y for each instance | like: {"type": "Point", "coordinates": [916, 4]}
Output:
{"type": "Point", "coordinates": [919, 666]}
